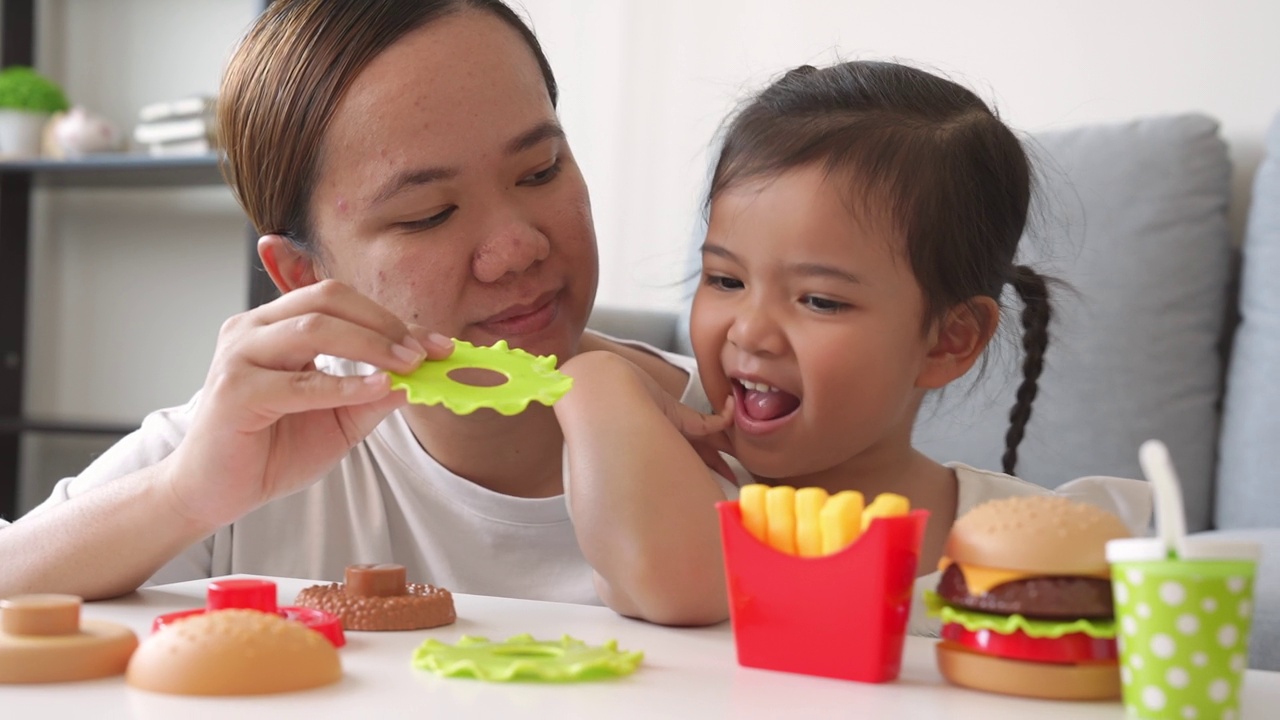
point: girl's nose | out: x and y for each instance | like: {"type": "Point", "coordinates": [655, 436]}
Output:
{"type": "Point", "coordinates": [755, 331]}
{"type": "Point", "coordinates": [509, 249]}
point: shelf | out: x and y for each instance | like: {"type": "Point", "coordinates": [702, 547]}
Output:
{"type": "Point", "coordinates": [118, 170]}
{"type": "Point", "coordinates": [12, 426]}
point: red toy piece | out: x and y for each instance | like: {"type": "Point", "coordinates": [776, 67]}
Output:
{"type": "Point", "coordinates": [251, 594]}
{"type": "Point", "coordinates": [842, 615]}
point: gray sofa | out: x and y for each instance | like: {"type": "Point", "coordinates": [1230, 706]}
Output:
{"type": "Point", "coordinates": [1165, 332]}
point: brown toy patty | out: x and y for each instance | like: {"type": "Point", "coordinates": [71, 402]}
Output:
{"type": "Point", "coordinates": [377, 598]}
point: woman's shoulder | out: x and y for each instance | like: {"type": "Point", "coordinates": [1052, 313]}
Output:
{"type": "Point", "coordinates": [1131, 500]}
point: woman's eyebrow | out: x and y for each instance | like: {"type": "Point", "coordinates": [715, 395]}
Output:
{"type": "Point", "coordinates": [549, 130]}
{"type": "Point", "coordinates": [412, 178]}
{"type": "Point", "coordinates": [541, 132]}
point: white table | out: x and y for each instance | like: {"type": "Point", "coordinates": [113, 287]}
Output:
{"type": "Point", "coordinates": [687, 673]}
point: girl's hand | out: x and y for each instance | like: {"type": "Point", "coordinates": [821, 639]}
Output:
{"type": "Point", "coordinates": [267, 422]}
{"type": "Point", "coordinates": [704, 432]}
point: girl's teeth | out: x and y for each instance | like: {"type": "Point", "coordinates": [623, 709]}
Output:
{"type": "Point", "coordinates": [758, 387]}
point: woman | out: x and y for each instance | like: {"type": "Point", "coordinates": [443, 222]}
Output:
{"type": "Point", "coordinates": [404, 164]}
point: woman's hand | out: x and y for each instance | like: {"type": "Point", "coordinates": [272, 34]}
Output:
{"type": "Point", "coordinates": [268, 422]}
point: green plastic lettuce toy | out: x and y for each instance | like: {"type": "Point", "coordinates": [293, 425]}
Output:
{"type": "Point", "coordinates": [528, 378]}
{"type": "Point", "coordinates": [524, 658]}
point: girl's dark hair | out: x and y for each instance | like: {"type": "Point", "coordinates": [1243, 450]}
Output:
{"type": "Point", "coordinates": [286, 78]}
{"type": "Point", "coordinates": [925, 154]}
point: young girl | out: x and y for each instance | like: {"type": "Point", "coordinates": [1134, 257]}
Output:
{"type": "Point", "coordinates": [863, 221]}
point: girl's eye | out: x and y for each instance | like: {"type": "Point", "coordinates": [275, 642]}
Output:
{"type": "Point", "coordinates": [823, 305]}
{"type": "Point", "coordinates": [430, 222]}
{"type": "Point", "coordinates": [722, 282]}
{"type": "Point", "coordinates": [542, 177]}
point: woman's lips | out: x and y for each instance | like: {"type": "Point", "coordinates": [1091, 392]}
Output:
{"type": "Point", "coordinates": [524, 319]}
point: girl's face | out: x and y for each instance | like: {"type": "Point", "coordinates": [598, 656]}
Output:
{"type": "Point", "coordinates": [812, 318]}
{"type": "Point", "coordinates": [446, 191]}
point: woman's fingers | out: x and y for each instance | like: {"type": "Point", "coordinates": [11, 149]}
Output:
{"type": "Point", "coordinates": [294, 342]}
{"type": "Point", "coordinates": [264, 396]}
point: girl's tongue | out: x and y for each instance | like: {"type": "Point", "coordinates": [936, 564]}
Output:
{"type": "Point", "coordinates": [761, 405]}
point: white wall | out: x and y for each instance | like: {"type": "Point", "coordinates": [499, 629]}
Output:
{"type": "Point", "coordinates": [646, 83]}
{"type": "Point", "coordinates": [130, 287]}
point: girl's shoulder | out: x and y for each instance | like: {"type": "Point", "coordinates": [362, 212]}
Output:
{"type": "Point", "coordinates": [1131, 500]}
{"type": "Point", "coordinates": [675, 373]}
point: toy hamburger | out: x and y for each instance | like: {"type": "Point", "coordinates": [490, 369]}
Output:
{"type": "Point", "coordinates": [1025, 600]}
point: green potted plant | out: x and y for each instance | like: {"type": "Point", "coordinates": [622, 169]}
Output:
{"type": "Point", "coordinates": [27, 101]}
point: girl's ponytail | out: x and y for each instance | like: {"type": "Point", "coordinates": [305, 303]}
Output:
{"type": "Point", "coordinates": [1034, 291]}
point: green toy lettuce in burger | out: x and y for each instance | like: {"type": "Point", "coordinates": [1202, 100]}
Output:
{"type": "Point", "coordinates": [1025, 600]}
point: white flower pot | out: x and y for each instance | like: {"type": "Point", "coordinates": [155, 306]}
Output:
{"type": "Point", "coordinates": [20, 132]}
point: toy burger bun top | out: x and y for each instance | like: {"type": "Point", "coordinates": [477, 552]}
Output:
{"type": "Point", "coordinates": [234, 652]}
{"type": "Point", "coordinates": [1036, 535]}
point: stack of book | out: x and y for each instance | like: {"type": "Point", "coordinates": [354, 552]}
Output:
{"type": "Point", "coordinates": [177, 127]}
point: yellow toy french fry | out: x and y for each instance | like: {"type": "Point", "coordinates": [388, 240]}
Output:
{"type": "Point", "coordinates": [841, 520]}
{"type": "Point", "coordinates": [754, 517]}
{"type": "Point", "coordinates": [780, 506]}
{"type": "Point", "coordinates": [809, 503]}
{"type": "Point", "coordinates": [885, 505]}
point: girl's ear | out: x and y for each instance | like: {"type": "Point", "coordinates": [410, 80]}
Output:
{"type": "Point", "coordinates": [958, 340]}
{"type": "Point", "coordinates": [289, 267]}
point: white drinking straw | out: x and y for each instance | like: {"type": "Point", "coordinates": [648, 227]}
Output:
{"type": "Point", "coordinates": [1171, 524]}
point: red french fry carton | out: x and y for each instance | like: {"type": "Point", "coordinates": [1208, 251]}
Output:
{"type": "Point", "coordinates": [842, 615]}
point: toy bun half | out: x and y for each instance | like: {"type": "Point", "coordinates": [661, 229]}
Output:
{"type": "Point", "coordinates": [234, 652]}
{"type": "Point", "coordinates": [1049, 681]}
{"type": "Point", "coordinates": [1041, 534]}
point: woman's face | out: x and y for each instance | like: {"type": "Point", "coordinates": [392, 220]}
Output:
{"type": "Point", "coordinates": [446, 191]}
{"type": "Point", "coordinates": [811, 319]}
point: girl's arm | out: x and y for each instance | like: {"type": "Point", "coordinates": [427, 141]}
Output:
{"type": "Point", "coordinates": [642, 497]}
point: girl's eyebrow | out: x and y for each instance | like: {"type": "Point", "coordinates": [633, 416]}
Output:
{"type": "Point", "coordinates": [827, 271]}
{"type": "Point", "coordinates": [802, 269]}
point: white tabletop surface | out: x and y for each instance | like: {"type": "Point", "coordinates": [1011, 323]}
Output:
{"type": "Point", "coordinates": [689, 673]}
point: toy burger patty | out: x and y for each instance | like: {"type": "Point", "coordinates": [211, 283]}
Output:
{"type": "Point", "coordinates": [1025, 599]}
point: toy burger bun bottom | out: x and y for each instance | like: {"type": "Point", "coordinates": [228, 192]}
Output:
{"type": "Point", "coordinates": [1050, 681]}
{"type": "Point", "coordinates": [43, 639]}
{"type": "Point", "coordinates": [234, 652]}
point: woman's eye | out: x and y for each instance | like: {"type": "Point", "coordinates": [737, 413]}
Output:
{"type": "Point", "coordinates": [823, 305]}
{"type": "Point", "coordinates": [542, 177]}
{"type": "Point", "coordinates": [430, 222]}
{"type": "Point", "coordinates": [722, 282]}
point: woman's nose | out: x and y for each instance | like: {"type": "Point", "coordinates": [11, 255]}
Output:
{"type": "Point", "coordinates": [510, 249]}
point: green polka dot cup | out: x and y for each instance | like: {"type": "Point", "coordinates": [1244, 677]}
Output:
{"type": "Point", "coordinates": [1183, 633]}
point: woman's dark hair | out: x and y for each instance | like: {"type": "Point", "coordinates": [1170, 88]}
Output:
{"type": "Point", "coordinates": [288, 75]}
{"type": "Point", "coordinates": [928, 155]}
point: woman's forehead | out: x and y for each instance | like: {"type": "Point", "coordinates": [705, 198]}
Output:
{"type": "Point", "coordinates": [446, 94]}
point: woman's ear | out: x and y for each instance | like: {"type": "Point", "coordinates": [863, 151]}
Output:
{"type": "Point", "coordinates": [958, 340]}
{"type": "Point", "coordinates": [289, 267]}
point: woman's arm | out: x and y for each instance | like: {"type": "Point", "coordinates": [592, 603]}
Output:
{"type": "Point", "coordinates": [102, 544]}
{"type": "Point", "coordinates": [641, 496]}
{"type": "Point", "coordinates": [267, 424]}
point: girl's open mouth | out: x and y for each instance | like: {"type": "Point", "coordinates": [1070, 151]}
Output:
{"type": "Point", "coordinates": [761, 407]}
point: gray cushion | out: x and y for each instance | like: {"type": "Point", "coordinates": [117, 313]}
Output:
{"type": "Point", "coordinates": [1248, 491]}
{"type": "Point", "coordinates": [1264, 637]}
{"type": "Point", "coordinates": [1134, 217]}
